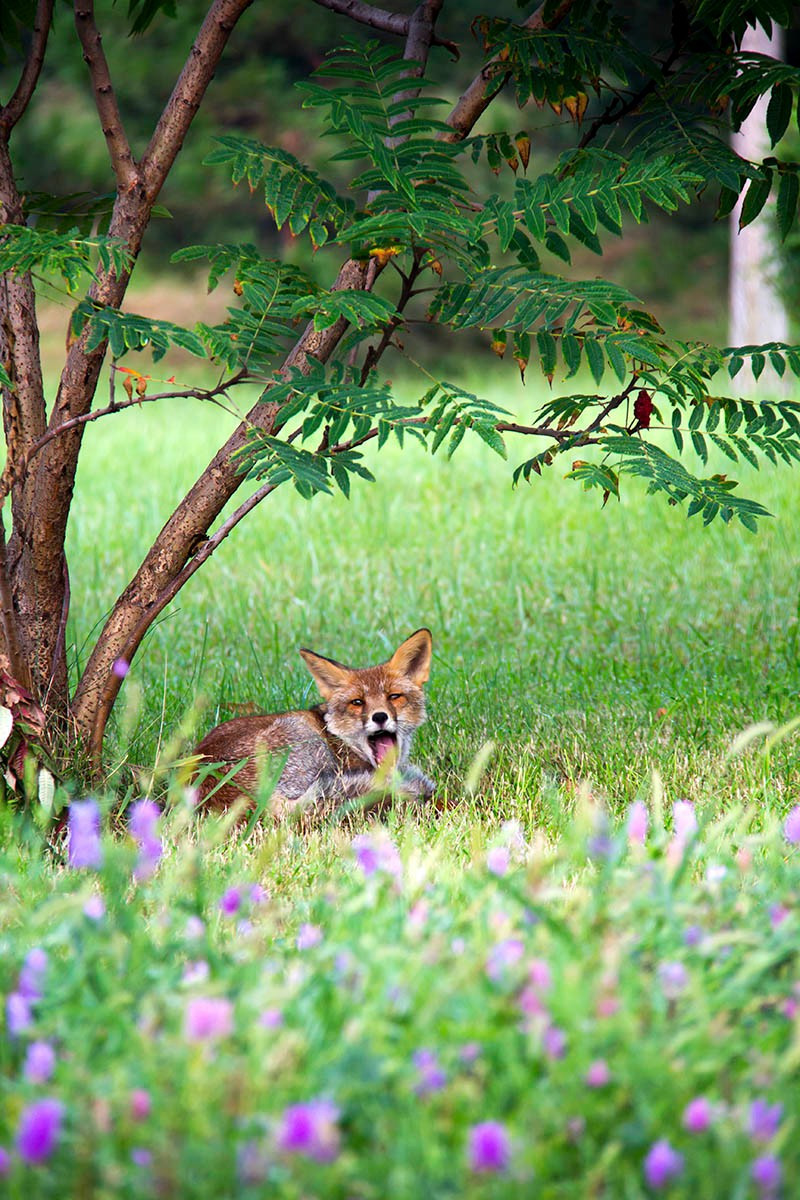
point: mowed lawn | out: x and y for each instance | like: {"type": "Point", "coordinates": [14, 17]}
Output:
{"type": "Point", "coordinates": [589, 644]}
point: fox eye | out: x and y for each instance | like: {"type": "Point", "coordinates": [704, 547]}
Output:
{"type": "Point", "coordinates": [356, 703]}
{"type": "Point", "coordinates": [397, 696]}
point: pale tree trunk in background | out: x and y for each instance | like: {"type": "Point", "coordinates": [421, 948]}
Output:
{"type": "Point", "coordinates": [757, 313]}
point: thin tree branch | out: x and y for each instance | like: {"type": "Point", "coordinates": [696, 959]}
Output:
{"type": "Point", "coordinates": [188, 92]}
{"type": "Point", "coordinates": [11, 112]}
{"type": "Point", "coordinates": [368, 14]}
{"type": "Point", "coordinates": [380, 18]}
{"type": "Point", "coordinates": [47, 489]}
{"type": "Point", "coordinates": [479, 94]}
{"type": "Point", "coordinates": [105, 99]}
{"type": "Point", "coordinates": [168, 593]}
{"type": "Point", "coordinates": [114, 406]}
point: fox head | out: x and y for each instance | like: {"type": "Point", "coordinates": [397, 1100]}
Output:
{"type": "Point", "coordinates": [375, 710]}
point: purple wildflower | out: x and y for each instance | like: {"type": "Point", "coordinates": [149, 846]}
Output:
{"type": "Point", "coordinates": [636, 823]}
{"type": "Point", "coordinates": [95, 908]}
{"type": "Point", "coordinates": [662, 1164]}
{"type": "Point", "coordinates": [308, 936]}
{"type": "Point", "coordinates": [230, 901]}
{"type": "Point", "coordinates": [258, 894]}
{"type": "Point", "coordinates": [498, 860]}
{"type": "Point", "coordinates": [195, 972]}
{"type": "Point", "coordinates": [598, 1074]}
{"type": "Point", "coordinates": [142, 821]}
{"type": "Point", "coordinates": [693, 935]}
{"type": "Point", "coordinates": [40, 1062]}
{"type": "Point", "coordinates": [554, 1042]}
{"type": "Point", "coordinates": [39, 1130]}
{"type": "Point", "coordinates": [310, 1129]}
{"type": "Point", "coordinates": [5, 1162]}
{"type": "Point", "coordinates": [763, 1119]}
{"type": "Point", "coordinates": [502, 956]}
{"type": "Point", "coordinates": [777, 914]}
{"type": "Point", "coordinates": [32, 972]}
{"type": "Point", "coordinates": [83, 835]}
{"type": "Point", "coordinates": [194, 929]}
{"type": "Point", "coordinates": [141, 1157]}
{"type": "Point", "coordinates": [791, 826]}
{"type": "Point", "coordinates": [208, 1018]}
{"type": "Point", "coordinates": [697, 1115]}
{"type": "Point", "coordinates": [431, 1077]}
{"type": "Point", "coordinates": [377, 853]}
{"type": "Point", "coordinates": [766, 1173]}
{"type": "Point", "coordinates": [18, 1014]}
{"type": "Point", "coordinates": [469, 1052]}
{"type": "Point", "coordinates": [271, 1018]}
{"type": "Point", "coordinates": [540, 975]}
{"type": "Point", "coordinates": [120, 667]}
{"type": "Point", "coordinates": [489, 1148]}
{"type": "Point", "coordinates": [673, 978]}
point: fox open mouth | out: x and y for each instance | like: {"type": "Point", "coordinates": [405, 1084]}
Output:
{"type": "Point", "coordinates": [380, 744]}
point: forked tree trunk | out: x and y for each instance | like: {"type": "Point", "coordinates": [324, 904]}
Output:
{"type": "Point", "coordinates": [34, 568]}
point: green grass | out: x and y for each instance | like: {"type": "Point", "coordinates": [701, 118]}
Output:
{"type": "Point", "coordinates": [589, 644]}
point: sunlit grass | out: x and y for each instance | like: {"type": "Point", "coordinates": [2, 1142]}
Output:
{"type": "Point", "coordinates": [587, 643]}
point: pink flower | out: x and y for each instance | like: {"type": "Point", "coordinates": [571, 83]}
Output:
{"type": "Point", "coordinates": [271, 1018]}
{"type": "Point", "coordinates": [230, 901]}
{"type": "Point", "coordinates": [684, 822]}
{"type": "Point", "coordinates": [697, 1115]}
{"type": "Point", "coordinates": [498, 860]}
{"type": "Point", "coordinates": [141, 1104]}
{"type": "Point", "coordinates": [636, 824]}
{"type": "Point", "coordinates": [120, 667]}
{"type": "Point", "coordinates": [503, 955]}
{"type": "Point", "coordinates": [308, 936]}
{"type": "Point", "coordinates": [673, 978]}
{"type": "Point", "coordinates": [540, 975]}
{"type": "Point", "coordinates": [554, 1042]}
{"type": "Point", "coordinates": [40, 1062]}
{"type": "Point", "coordinates": [598, 1074]}
{"type": "Point", "coordinates": [791, 826]}
{"type": "Point", "coordinates": [310, 1129]}
{"type": "Point", "coordinates": [377, 853]}
{"type": "Point", "coordinates": [95, 908]}
{"type": "Point", "coordinates": [208, 1018]}
{"type": "Point", "coordinates": [489, 1148]}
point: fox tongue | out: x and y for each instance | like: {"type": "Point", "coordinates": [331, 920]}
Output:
{"type": "Point", "coordinates": [381, 744]}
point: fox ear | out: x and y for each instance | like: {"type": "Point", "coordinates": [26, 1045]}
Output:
{"type": "Point", "coordinates": [328, 674]}
{"type": "Point", "coordinates": [413, 657]}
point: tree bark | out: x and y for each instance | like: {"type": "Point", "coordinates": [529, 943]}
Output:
{"type": "Point", "coordinates": [36, 548]}
{"type": "Point", "coordinates": [185, 535]}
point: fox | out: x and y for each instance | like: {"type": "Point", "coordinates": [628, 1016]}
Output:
{"type": "Point", "coordinates": [354, 744]}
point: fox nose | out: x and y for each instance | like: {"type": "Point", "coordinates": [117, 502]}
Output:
{"type": "Point", "coordinates": [380, 718]}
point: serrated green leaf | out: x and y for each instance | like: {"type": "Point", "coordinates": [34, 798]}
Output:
{"type": "Point", "coordinates": [786, 204]}
{"type": "Point", "coordinates": [779, 111]}
{"type": "Point", "coordinates": [595, 359]}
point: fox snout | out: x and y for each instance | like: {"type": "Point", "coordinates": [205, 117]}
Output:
{"type": "Point", "coordinates": [375, 710]}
